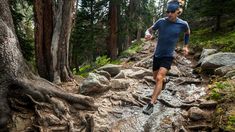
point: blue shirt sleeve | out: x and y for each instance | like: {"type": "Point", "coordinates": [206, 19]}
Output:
{"type": "Point", "coordinates": [156, 25]}
{"type": "Point", "coordinates": [186, 26]}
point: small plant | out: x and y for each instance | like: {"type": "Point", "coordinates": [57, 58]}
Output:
{"type": "Point", "coordinates": [222, 90]}
{"type": "Point", "coordinates": [102, 60]}
{"type": "Point", "coordinates": [231, 123]}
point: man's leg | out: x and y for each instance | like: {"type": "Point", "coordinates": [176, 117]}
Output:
{"type": "Point", "coordinates": [159, 78]}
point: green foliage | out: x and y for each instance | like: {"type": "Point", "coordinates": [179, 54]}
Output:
{"type": "Point", "coordinates": [204, 38]}
{"type": "Point", "coordinates": [135, 47]}
{"type": "Point", "coordinates": [101, 61]}
{"type": "Point", "coordinates": [231, 123]}
{"type": "Point", "coordinates": [86, 68]}
{"type": "Point", "coordinates": [222, 91]}
{"type": "Point", "coordinates": [22, 13]}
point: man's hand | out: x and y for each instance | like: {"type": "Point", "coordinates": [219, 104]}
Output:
{"type": "Point", "coordinates": [148, 37]}
{"type": "Point", "coordinates": [185, 50]}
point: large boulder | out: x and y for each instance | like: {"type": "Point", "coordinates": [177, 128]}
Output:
{"type": "Point", "coordinates": [94, 83]}
{"type": "Point", "coordinates": [217, 60]}
{"type": "Point", "coordinates": [112, 69]}
{"type": "Point", "coordinates": [205, 53]}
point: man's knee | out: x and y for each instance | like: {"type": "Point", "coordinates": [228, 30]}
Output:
{"type": "Point", "coordinates": [159, 77]}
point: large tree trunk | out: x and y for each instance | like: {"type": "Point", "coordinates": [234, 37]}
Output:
{"type": "Point", "coordinates": [112, 43]}
{"type": "Point", "coordinates": [18, 83]}
{"type": "Point", "coordinates": [53, 23]}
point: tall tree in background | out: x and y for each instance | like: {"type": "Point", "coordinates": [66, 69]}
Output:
{"type": "Point", "coordinates": [112, 39]}
{"type": "Point", "coordinates": [53, 23]}
{"type": "Point", "coordinates": [89, 34]}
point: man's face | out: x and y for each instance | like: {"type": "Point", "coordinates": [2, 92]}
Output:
{"type": "Point", "coordinates": [172, 15]}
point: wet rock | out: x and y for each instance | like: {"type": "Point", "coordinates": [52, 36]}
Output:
{"type": "Point", "coordinates": [117, 84]}
{"type": "Point", "coordinates": [94, 83]}
{"type": "Point", "coordinates": [174, 71]}
{"type": "Point", "coordinates": [113, 70]}
{"type": "Point", "coordinates": [224, 69]}
{"type": "Point", "coordinates": [196, 114]}
{"type": "Point", "coordinates": [104, 73]}
{"type": "Point", "coordinates": [141, 74]}
{"type": "Point", "coordinates": [120, 75]}
{"type": "Point", "coordinates": [217, 60]}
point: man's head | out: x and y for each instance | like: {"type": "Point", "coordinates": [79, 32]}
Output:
{"type": "Point", "coordinates": [173, 9]}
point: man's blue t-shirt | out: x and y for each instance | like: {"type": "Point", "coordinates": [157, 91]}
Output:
{"type": "Point", "coordinates": [168, 35]}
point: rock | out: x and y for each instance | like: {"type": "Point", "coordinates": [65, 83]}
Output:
{"type": "Point", "coordinates": [104, 73]}
{"type": "Point", "coordinates": [224, 69]}
{"type": "Point", "coordinates": [117, 84]}
{"type": "Point", "coordinates": [217, 60]}
{"type": "Point", "coordinates": [208, 104]}
{"type": "Point", "coordinates": [196, 114]}
{"type": "Point", "coordinates": [120, 75]}
{"type": "Point", "coordinates": [113, 70]}
{"type": "Point", "coordinates": [207, 52]}
{"type": "Point", "coordinates": [141, 74]}
{"type": "Point", "coordinates": [94, 83]}
{"type": "Point", "coordinates": [149, 79]}
{"type": "Point", "coordinates": [230, 74]}
{"type": "Point", "coordinates": [174, 71]}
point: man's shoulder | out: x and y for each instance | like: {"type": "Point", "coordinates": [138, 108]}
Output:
{"type": "Point", "coordinates": [162, 19]}
{"type": "Point", "coordinates": [181, 21]}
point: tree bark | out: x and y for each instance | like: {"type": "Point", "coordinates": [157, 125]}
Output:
{"type": "Point", "coordinates": [18, 81]}
{"type": "Point", "coordinates": [112, 43]}
{"type": "Point", "coordinates": [53, 23]}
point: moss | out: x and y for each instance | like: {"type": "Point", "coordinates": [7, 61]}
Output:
{"type": "Point", "coordinates": [224, 115]}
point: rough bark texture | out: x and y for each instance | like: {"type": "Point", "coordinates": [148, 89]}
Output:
{"type": "Point", "coordinates": [53, 23]}
{"type": "Point", "coordinates": [112, 44]}
{"type": "Point", "coordinates": [19, 84]}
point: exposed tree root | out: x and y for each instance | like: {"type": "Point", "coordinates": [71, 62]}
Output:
{"type": "Point", "coordinates": [52, 105]}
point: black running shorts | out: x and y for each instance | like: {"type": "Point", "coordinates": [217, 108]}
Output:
{"type": "Point", "coordinates": [162, 62]}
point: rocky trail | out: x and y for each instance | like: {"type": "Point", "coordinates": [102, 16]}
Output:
{"type": "Point", "coordinates": [120, 92]}
{"type": "Point", "coordinates": [129, 87]}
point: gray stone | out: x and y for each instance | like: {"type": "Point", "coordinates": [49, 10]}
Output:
{"type": "Point", "coordinates": [94, 83]}
{"type": "Point", "coordinates": [196, 114]}
{"type": "Point", "coordinates": [141, 74]}
{"type": "Point", "coordinates": [230, 74]}
{"type": "Point", "coordinates": [217, 60]}
{"type": "Point", "coordinates": [224, 69]}
{"type": "Point", "coordinates": [174, 71]}
{"type": "Point", "coordinates": [120, 75]}
{"type": "Point", "coordinates": [119, 84]}
{"type": "Point", "coordinates": [112, 69]}
{"type": "Point", "coordinates": [208, 104]}
{"type": "Point", "coordinates": [104, 73]}
{"type": "Point", "coordinates": [205, 53]}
